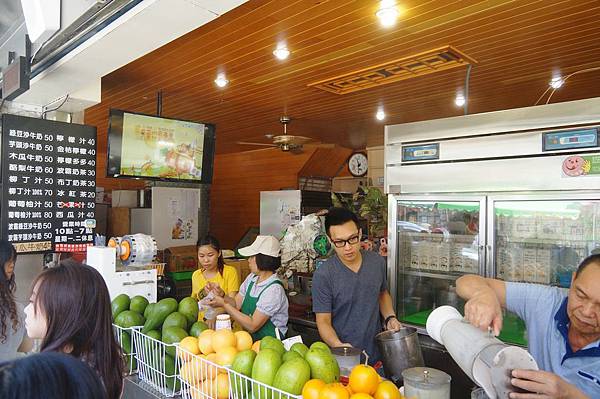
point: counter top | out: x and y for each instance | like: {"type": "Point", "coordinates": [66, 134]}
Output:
{"type": "Point", "coordinates": [308, 321]}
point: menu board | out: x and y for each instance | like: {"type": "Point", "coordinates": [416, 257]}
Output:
{"type": "Point", "coordinates": [48, 184]}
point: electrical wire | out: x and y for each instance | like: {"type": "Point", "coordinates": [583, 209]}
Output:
{"type": "Point", "coordinates": [54, 109]}
{"type": "Point", "coordinates": [563, 82]}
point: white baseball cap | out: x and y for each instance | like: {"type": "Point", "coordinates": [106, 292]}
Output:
{"type": "Point", "coordinates": [266, 245]}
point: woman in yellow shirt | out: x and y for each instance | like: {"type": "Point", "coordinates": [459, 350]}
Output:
{"type": "Point", "coordinates": [212, 268]}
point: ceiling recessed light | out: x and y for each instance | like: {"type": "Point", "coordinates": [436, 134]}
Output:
{"type": "Point", "coordinates": [380, 115]}
{"type": "Point", "coordinates": [388, 13]}
{"type": "Point", "coordinates": [557, 82]}
{"type": "Point", "coordinates": [460, 100]}
{"type": "Point", "coordinates": [281, 52]}
{"type": "Point", "coordinates": [221, 80]}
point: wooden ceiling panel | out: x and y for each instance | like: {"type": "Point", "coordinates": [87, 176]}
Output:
{"type": "Point", "coordinates": [518, 44]}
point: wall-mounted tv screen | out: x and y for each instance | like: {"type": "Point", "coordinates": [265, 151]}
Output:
{"type": "Point", "coordinates": [152, 147]}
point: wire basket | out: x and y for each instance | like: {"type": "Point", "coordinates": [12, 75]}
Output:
{"type": "Point", "coordinates": [124, 337]}
{"type": "Point", "coordinates": [203, 379]}
{"type": "Point", "coordinates": [156, 364]}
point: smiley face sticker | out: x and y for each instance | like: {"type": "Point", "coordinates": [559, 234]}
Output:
{"type": "Point", "coordinates": [575, 166]}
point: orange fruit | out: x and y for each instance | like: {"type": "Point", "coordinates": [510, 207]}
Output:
{"type": "Point", "coordinates": [243, 340]}
{"type": "Point", "coordinates": [387, 390]}
{"type": "Point", "coordinates": [363, 379]}
{"type": "Point", "coordinates": [190, 371]}
{"type": "Point", "coordinates": [256, 346]}
{"type": "Point", "coordinates": [360, 396]}
{"type": "Point", "coordinates": [222, 339]}
{"type": "Point", "coordinates": [190, 344]}
{"type": "Point", "coordinates": [334, 390]}
{"type": "Point", "coordinates": [222, 386]}
{"type": "Point", "coordinates": [205, 343]}
{"type": "Point", "coordinates": [312, 388]}
{"type": "Point", "coordinates": [225, 357]}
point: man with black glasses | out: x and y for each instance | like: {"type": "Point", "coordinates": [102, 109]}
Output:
{"type": "Point", "coordinates": [349, 291]}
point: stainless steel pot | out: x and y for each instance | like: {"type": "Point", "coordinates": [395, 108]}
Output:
{"type": "Point", "coordinates": [399, 350]}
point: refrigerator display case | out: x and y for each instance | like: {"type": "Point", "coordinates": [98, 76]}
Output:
{"type": "Point", "coordinates": [490, 194]}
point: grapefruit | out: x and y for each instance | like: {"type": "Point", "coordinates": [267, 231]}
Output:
{"type": "Point", "coordinates": [222, 386]}
{"type": "Point", "coordinates": [312, 389]}
{"type": "Point", "coordinates": [189, 344]}
{"type": "Point", "coordinates": [243, 340]}
{"type": "Point", "coordinates": [335, 390]}
{"type": "Point", "coordinates": [360, 396]}
{"type": "Point", "coordinates": [190, 371]}
{"type": "Point", "coordinates": [387, 390]}
{"type": "Point", "coordinates": [205, 343]}
{"type": "Point", "coordinates": [223, 339]}
{"type": "Point", "coordinates": [225, 356]}
{"type": "Point", "coordinates": [363, 379]}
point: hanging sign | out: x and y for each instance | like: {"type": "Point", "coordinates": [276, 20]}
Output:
{"type": "Point", "coordinates": [48, 184]}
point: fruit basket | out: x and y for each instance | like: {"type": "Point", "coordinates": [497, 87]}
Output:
{"type": "Point", "coordinates": [125, 340]}
{"type": "Point", "coordinates": [203, 379]}
{"type": "Point", "coordinates": [156, 363]}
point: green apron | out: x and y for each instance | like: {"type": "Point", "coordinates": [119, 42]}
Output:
{"type": "Point", "coordinates": [249, 306]}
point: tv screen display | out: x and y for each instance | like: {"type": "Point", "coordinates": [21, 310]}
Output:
{"type": "Point", "coordinates": [152, 147]}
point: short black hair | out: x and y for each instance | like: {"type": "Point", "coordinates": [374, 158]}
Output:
{"type": "Point", "coordinates": [267, 263]}
{"type": "Point", "coordinates": [337, 216]}
{"type": "Point", "coordinates": [592, 259]}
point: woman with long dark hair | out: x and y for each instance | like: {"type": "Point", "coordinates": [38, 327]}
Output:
{"type": "Point", "coordinates": [212, 269]}
{"type": "Point", "coordinates": [49, 376]}
{"type": "Point", "coordinates": [12, 327]}
{"type": "Point", "coordinates": [70, 312]}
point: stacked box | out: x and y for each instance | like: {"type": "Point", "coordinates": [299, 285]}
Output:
{"type": "Point", "coordinates": [573, 229]}
{"type": "Point", "coordinates": [424, 254]}
{"type": "Point", "coordinates": [502, 262]}
{"type": "Point", "coordinates": [434, 256]}
{"type": "Point", "coordinates": [456, 256]}
{"type": "Point", "coordinates": [550, 228]}
{"type": "Point", "coordinates": [444, 256]}
{"type": "Point", "coordinates": [524, 227]}
{"type": "Point", "coordinates": [515, 262]}
{"type": "Point", "coordinates": [414, 254]}
{"type": "Point", "coordinates": [543, 267]}
{"type": "Point", "coordinates": [504, 224]}
{"type": "Point", "coordinates": [529, 262]}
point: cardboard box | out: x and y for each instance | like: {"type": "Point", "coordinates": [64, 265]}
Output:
{"type": "Point", "coordinates": [242, 267]}
{"type": "Point", "coordinates": [181, 259]}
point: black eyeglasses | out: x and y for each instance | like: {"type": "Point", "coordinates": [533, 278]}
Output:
{"type": "Point", "coordinates": [342, 243]}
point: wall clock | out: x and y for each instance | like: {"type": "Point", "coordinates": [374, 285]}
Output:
{"type": "Point", "coordinates": [358, 164]}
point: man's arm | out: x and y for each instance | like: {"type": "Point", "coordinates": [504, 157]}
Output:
{"type": "Point", "coordinates": [544, 384]}
{"type": "Point", "coordinates": [485, 298]}
{"type": "Point", "coordinates": [386, 308]}
{"type": "Point", "coordinates": [327, 332]}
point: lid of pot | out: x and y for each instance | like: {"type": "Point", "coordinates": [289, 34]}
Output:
{"type": "Point", "coordinates": [345, 351]}
{"type": "Point", "coordinates": [425, 377]}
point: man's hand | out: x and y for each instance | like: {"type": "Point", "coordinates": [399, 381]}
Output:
{"type": "Point", "coordinates": [393, 324]}
{"type": "Point", "coordinates": [543, 385]}
{"type": "Point", "coordinates": [483, 310]}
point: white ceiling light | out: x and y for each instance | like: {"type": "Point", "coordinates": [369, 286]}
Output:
{"type": "Point", "coordinates": [221, 80]}
{"type": "Point", "coordinates": [557, 82]}
{"type": "Point", "coordinates": [387, 13]}
{"type": "Point", "coordinates": [460, 100]}
{"type": "Point", "coordinates": [281, 52]}
{"type": "Point", "coordinates": [380, 115]}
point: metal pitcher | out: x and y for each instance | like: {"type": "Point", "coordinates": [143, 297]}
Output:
{"type": "Point", "coordinates": [399, 350]}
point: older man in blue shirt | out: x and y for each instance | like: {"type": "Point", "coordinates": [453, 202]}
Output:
{"type": "Point", "coordinates": [563, 329]}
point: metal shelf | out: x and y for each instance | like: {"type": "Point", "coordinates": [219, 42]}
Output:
{"type": "Point", "coordinates": [442, 276]}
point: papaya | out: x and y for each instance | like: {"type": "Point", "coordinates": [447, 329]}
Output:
{"type": "Point", "coordinates": [171, 372]}
{"type": "Point", "coordinates": [138, 304]}
{"type": "Point", "coordinates": [289, 355]}
{"type": "Point", "coordinates": [242, 363]}
{"type": "Point", "coordinates": [265, 367]}
{"type": "Point", "coordinates": [269, 342]}
{"type": "Point", "coordinates": [172, 335]}
{"type": "Point", "coordinates": [197, 328]}
{"type": "Point", "coordinates": [161, 310]}
{"type": "Point", "coordinates": [323, 366]}
{"type": "Point", "coordinates": [292, 375]}
{"type": "Point", "coordinates": [188, 307]}
{"type": "Point", "coordinates": [119, 304]}
{"type": "Point", "coordinates": [321, 346]}
{"type": "Point", "coordinates": [175, 319]}
{"type": "Point", "coordinates": [300, 348]}
{"type": "Point", "coordinates": [129, 318]}
{"type": "Point", "coordinates": [148, 310]}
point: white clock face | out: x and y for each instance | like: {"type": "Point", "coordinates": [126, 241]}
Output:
{"type": "Point", "coordinates": [358, 164]}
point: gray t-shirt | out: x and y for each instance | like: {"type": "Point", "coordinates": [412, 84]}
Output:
{"type": "Point", "coordinates": [8, 349]}
{"type": "Point", "coordinates": [273, 302]}
{"type": "Point", "coordinates": [352, 299]}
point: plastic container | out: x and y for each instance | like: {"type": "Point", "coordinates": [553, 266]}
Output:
{"type": "Point", "coordinates": [347, 358]}
{"type": "Point", "coordinates": [223, 322]}
{"type": "Point", "coordinates": [426, 383]}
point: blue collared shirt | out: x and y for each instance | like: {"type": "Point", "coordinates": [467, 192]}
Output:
{"type": "Point", "coordinates": [544, 310]}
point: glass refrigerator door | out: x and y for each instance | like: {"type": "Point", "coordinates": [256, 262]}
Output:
{"type": "Point", "coordinates": [540, 240]}
{"type": "Point", "coordinates": [436, 242]}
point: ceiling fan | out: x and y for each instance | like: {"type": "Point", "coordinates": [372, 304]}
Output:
{"type": "Point", "coordinates": [287, 142]}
